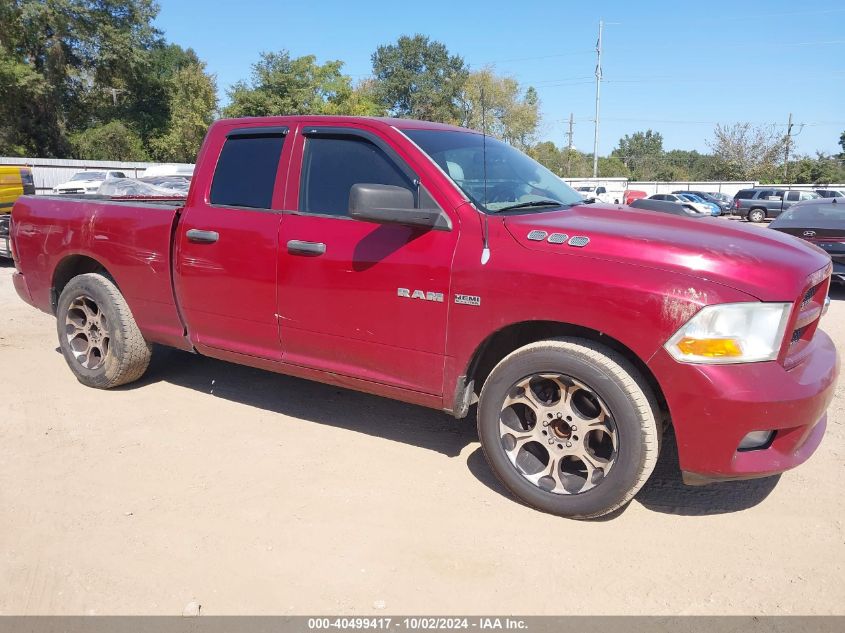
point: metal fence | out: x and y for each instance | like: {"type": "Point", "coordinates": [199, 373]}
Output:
{"type": "Point", "coordinates": [49, 172]}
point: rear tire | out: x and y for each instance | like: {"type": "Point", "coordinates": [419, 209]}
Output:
{"type": "Point", "coordinates": [98, 336]}
{"type": "Point", "coordinates": [592, 439]}
{"type": "Point", "coordinates": [756, 215]}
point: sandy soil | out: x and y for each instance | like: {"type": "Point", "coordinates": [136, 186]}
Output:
{"type": "Point", "coordinates": [250, 492]}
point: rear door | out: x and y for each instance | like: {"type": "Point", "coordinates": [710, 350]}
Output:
{"type": "Point", "coordinates": [227, 239]}
{"type": "Point", "coordinates": [358, 298]}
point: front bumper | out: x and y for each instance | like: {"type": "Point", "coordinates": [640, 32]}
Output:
{"type": "Point", "coordinates": [714, 406]}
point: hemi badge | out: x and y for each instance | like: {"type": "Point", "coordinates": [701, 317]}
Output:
{"type": "Point", "coordinates": [469, 300]}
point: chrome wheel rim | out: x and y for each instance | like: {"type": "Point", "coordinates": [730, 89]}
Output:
{"type": "Point", "coordinates": [558, 434]}
{"type": "Point", "coordinates": [87, 332]}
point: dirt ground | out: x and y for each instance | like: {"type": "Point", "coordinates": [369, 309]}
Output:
{"type": "Point", "coordinates": [253, 493]}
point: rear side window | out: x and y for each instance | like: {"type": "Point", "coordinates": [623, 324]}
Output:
{"type": "Point", "coordinates": [332, 165]}
{"type": "Point", "coordinates": [745, 194]}
{"type": "Point", "coordinates": [793, 195]}
{"type": "Point", "coordinates": [246, 171]}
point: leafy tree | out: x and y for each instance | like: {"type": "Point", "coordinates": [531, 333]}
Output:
{"type": "Point", "coordinates": [821, 170]}
{"type": "Point", "coordinates": [747, 152]}
{"type": "Point", "coordinates": [612, 167]}
{"type": "Point", "coordinates": [842, 145]}
{"type": "Point", "coordinates": [284, 85]}
{"type": "Point", "coordinates": [500, 103]}
{"type": "Point", "coordinates": [57, 56]}
{"type": "Point", "coordinates": [641, 153]}
{"type": "Point", "coordinates": [549, 155]}
{"type": "Point", "coordinates": [110, 141]}
{"type": "Point", "coordinates": [418, 78]}
{"type": "Point", "coordinates": [359, 100]}
{"type": "Point", "coordinates": [193, 104]}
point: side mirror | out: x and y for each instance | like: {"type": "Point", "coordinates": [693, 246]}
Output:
{"type": "Point", "coordinates": [388, 204]}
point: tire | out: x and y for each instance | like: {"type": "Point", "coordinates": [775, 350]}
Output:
{"type": "Point", "coordinates": [589, 380]}
{"type": "Point", "coordinates": [756, 215]}
{"type": "Point", "coordinates": [98, 336]}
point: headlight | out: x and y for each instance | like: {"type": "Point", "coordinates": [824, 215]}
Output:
{"type": "Point", "coordinates": [731, 333]}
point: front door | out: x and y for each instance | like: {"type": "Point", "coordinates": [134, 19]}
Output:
{"type": "Point", "coordinates": [227, 238]}
{"type": "Point", "coordinates": [358, 298]}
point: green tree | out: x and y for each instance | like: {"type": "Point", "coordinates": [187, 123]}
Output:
{"type": "Point", "coordinates": [110, 141]}
{"type": "Point", "coordinates": [641, 153]}
{"type": "Point", "coordinates": [193, 104]}
{"type": "Point", "coordinates": [550, 156]}
{"type": "Point", "coordinates": [284, 85]}
{"type": "Point", "coordinates": [842, 145]}
{"type": "Point", "coordinates": [418, 78]}
{"type": "Point", "coordinates": [613, 167]}
{"type": "Point", "coordinates": [507, 112]}
{"type": "Point", "coordinates": [60, 56]}
{"type": "Point", "coordinates": [821, 170]}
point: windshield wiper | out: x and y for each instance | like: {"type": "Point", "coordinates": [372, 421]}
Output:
{"type": "Point", "coordinates": [533, 203]}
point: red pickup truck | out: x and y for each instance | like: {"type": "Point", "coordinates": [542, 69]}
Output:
{"type": "Point", "coordinates": [431, 264]}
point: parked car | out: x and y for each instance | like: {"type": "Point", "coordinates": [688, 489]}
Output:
{"type": "Point", "coordinates": [757, 204]}
{"type": "Point", "coordinates": [664, 206]}
{"type": "Point", "coordinates": [831, 193]}
{"type": "Point", "coordinates": [86, 182]}
{"type": "Point", "coordinates": [633, 194]}
{"type": "Point", "coordinates": [15, 181]}
{"type": "Point", "coordinates": [724, 203]}
{"type": "Point", "coordinates": [713, 208]}
{"type": "Point", "coordinates": [423, 262]}
{"type": "Point", "coordinates": [600, 194]}
{"type": "Point", "coordinates": [820, 222]}
{"type": "Point", "coordinates": [700, 207]}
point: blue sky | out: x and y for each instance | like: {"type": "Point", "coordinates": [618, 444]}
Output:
{"type": "Point", "coordinates": [675, 67]}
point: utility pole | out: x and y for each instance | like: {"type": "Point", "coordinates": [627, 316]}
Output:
{"type": "Point", "coordinates": [569, 146]}
{"type": "Point", "coordinates": [598, 101]}
{"type": "Point", "coordinates": [786, 150]}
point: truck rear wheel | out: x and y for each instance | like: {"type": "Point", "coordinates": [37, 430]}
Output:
{"type": "Point", "coordinates": [756, 215]}
{"type": "Point", "coordinates": [569, 427]}
{"type": "Point", "coordinates": [98, 335]}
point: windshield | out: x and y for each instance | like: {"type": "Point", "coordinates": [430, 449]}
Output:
{"type": "Point", "coordinates": [583, 188]}
{"type": "Point", "coordinates": [89, 175]}
{"type": "Point", "coordinates": [512, 177]}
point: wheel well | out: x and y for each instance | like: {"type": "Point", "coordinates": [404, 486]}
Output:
{"type": "Point", "coordinates": [69, 268]}
{"type": "Point", "coordinates": [512, 337]}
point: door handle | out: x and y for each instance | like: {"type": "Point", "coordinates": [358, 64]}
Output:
{"type": "Point", "coordinates": [312, 249]}
{"type": "Point", "coordinates": [202, 237]}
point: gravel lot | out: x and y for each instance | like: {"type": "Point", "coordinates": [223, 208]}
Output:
{"type": "Point", "coordinates": [249, 492]}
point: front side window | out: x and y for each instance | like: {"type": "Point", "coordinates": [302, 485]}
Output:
{"type": "Point", "coordinates": [493, 175]}
{"type": "Point", "coordinates": [793, 196]}
{"type": "Point", "coordinates": [331, 165]}
{"type": "Point", "coordinates": [246, 171]}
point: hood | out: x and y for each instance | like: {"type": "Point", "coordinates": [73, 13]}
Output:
{"type": "Point", "coordinates": [766, 264]}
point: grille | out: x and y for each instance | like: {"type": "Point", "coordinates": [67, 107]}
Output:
{"type": "Point", "coordinates": [578, 240]}
{"type": "Point", "coordinates": [537, 235]}
{"type": "Point", "coordinates": [558, 238]}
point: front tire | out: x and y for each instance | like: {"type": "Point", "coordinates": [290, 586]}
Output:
{"type": "Point", "coordinates": [98, 336]}
{"type": "Point", "coordinates": [569, 427]}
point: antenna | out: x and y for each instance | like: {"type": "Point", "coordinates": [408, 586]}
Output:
{"type": "Point", "coordinates": [485, 251]}
{"type": "Point", "coordinates": [598, 100]}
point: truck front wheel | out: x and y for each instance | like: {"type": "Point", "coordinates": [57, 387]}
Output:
{"type": "Point", "coordinates": [569, 427]}
{"type": "Point", "coordinates": [98, 335]}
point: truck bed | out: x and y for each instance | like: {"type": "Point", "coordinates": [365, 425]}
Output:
{"type": "Point", "coordinates": [129, 238]}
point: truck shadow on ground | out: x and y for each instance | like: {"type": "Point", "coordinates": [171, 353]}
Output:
{"type": "Point", "coordinates": [318, 403]}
